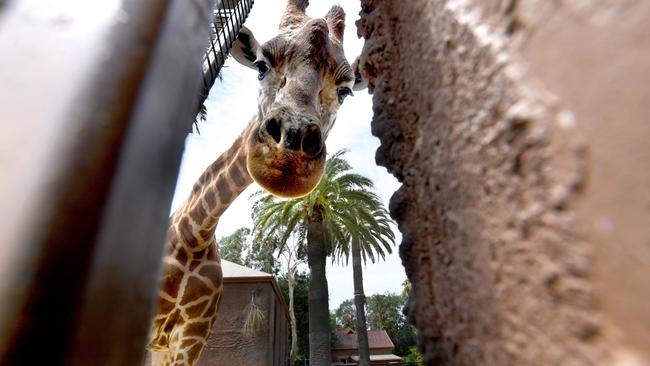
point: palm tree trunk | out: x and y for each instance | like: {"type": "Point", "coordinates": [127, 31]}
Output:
{"type": "Point", "coordinates": [359, 303]}
{"type": "Point", "coordinates": [291, 282]}
{"type": "Point", "coordinates": [319, 324]}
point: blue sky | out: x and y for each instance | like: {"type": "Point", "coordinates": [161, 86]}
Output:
{"type": "Point", "coordinates": [231, 105]}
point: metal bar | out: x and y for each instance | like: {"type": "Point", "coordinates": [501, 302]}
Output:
{"type": "Point", "coordinates": [231, 28]}
{"type": "Point", "coordinates": [213, 73]}
{"type": "Point", "coordinates": [222, 52]}
{"type": "Point", "coordinates": [240, 16]}
{"type": "Point", "coordinates": [89, 178]}
{"type": "Point", "coordinates": [228, 19]}
{"type": "Point", "coordinates": [214, 50]}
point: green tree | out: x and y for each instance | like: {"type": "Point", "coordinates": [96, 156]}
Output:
{"type": "Point", "coordinates": [345, 315]}
{"type": "Point", "coordinates": [232, 247]}
{"type": "Point", "coordinates": [385, 311]}
{"type": "Point", "coordinates": [333, 336]}
{"type": "Point", "coordinates": [413, 357]}
{"type": "Point", "coordinates": [301, 310]}
{"type": "Point", "coordinates": [406, 290]}
{"type": "Point", "coordinates": [262, 254]}
{"type": "Point", "coordinates": [279, 241]}
{"type": "Point", "coordinates": [333, 217]}
{"type": "Point", "coordinates": [371, 237]}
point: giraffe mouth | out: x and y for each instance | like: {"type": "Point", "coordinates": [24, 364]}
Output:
{"type": "Point", "coordinates": [284, 172]}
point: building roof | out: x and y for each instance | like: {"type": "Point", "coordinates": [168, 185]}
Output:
{"type": "Point", "coordinates": [347, 339]}
{"type": "Point", "coordinates": [231, 269]}
{"type": "Point", "coordinates": [235, 273]}
{"type": "Point", "coordinates": [375, 358]}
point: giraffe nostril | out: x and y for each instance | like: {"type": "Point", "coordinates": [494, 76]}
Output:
{"type": "Point", "coordinates": [292, 140]}
{"type": "Point", "coordinates": [274, 130]}
{"type": "Point", "coordinates": [312, 142]}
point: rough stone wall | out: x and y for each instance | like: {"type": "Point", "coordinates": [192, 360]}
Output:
{"type": "Point", "coordinates": [226, 344]}
{"type": "Point", "coordinates": [520, 132]}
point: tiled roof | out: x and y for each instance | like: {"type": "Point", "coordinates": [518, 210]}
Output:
{"type": "Point", "coordinates": [389, 357]}
{"type": "Point", "coordinates": [347, 339]}
{"type": "Point", "coordinates": [231, 269]}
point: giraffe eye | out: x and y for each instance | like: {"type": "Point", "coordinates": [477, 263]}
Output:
{"type": "Point", "coordinates": [262, 68]}
{"type": "Point", "coordinates": [342, 93]}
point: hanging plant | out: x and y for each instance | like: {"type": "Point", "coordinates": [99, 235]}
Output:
{"type": "Point", "coordinates": [255, 321]}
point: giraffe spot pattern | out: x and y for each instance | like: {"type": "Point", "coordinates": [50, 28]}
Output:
{"type": "Point", "coordinates": [236, 175]}
{"type": "Point", "coordinates": [198, 213]}
{"type": "Point", "coordinates": [194, 263]}
{"type": "Point", "coordinates": [213, 272]}
{"type": "Point", "coordinates": [165, 306]}
{"type": "Point", "coordinates": [198, 328]}
{"type": "Point", "coordinates": [195, 288]}
{"type": "Point", "coordinates": [185, 229]}
{"type": "Point", "coordinates": [206, 234]}
{"type": "Point", "coordinates": [181, 256]}
{"type": "Point", "coordinates": [198, 309]}
{"type": "Point", "coordinates": [211, 199]}
{"type": "Point", "coordinates": [171, 280]}
{"type": "Point", "coordinates": [224, 190]}
{"type": "Point", "coordinates": [194, 352]}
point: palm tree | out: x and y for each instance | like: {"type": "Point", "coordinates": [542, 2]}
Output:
{"type": "Point", "coordinates": [337, 215]}
{"type": "Point", "coordinates": [373, 234]}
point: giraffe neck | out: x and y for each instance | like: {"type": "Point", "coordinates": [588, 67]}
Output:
{"type": "Point", "coordinates": [223, 181]}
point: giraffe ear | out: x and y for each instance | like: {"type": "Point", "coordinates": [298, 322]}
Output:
{"type": "Point", "coordinates": [336, 22]}
{"type": "Point", "coordinates": [360, 82]}
{"type": "Point", "coordinates": [244, 49]}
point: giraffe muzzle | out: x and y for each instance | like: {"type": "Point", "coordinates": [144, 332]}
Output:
{"type": "Point", "coordinates": [307, 139]}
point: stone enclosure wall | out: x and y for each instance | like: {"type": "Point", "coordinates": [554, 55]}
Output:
{"type": "Point", "coordinates": [520, 131]}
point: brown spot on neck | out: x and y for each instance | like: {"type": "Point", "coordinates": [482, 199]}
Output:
{"type": "Point", "coordinates": [211, 195]}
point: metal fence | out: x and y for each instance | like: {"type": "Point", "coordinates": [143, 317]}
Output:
{"type": "Point", "coordinates": [228, 18]}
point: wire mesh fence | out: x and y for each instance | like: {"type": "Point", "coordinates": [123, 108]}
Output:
{"type": "Point", "coordinates": [228, 18]}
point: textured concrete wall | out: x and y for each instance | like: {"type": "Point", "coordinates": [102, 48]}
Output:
{"type": "Point", "coordinates": [227, 345]}
{"type": "Point", "coordinates": [520, 132]}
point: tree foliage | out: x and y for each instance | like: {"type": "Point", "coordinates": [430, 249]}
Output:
{"type": "Point", "coordinates": [233, 246]}
{"type": "Point", "coordinates": [413, 357]}
{"type": "Point", "coordinates": [301, 309]}
{"type": "Point", "coordinates": [344, 202]}
{"type": "Point", "coordinates": [263, 254]}
{"type": "Point", "coordinates": [384, 311]}
{"type": "Point", "coordinates": [341, 213]}
{"type": "Point", "coordinates": [345, 315]}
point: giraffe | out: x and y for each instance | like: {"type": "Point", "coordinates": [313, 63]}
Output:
{"type": "Point", "coordinates": [304, 78]}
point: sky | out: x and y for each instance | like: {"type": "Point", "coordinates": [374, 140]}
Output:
{"type": "Point", "coordinates": [231, 105]}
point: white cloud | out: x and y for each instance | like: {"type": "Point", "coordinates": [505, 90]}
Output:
{"type": "Point", "coordinates": [231, 105]}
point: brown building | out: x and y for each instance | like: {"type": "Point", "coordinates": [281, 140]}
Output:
{"type": "Point", "coordinates": [346, 350]}
{"type": "Point", "coordinates": [227, 344]}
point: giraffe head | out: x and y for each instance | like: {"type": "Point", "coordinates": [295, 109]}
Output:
{"type": "Point", "coordinates": [304, 78]}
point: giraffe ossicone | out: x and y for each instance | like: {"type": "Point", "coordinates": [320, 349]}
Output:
{"type": "Point", "coordinates": [304, 78]}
